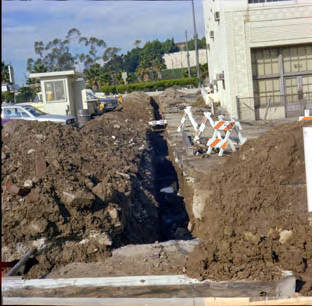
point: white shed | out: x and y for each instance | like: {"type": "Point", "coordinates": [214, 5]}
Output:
{"type": "Point", "coordinates": [61, 91]}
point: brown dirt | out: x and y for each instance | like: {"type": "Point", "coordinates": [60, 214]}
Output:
{"type": "Point", "coordinates": [87, 191]}
{"type": "Point", "coordinates": [255, 220]}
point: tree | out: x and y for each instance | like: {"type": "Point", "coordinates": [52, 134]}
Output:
{"type": "Point", "coordinates": [201, 44]}
{"type": "Point", "coordinates": [5, 78]}
{"type": "Point", "coordinates": [149, 56]}
{"type": "Point", "coordinates": [6, 96]}
{"type": "Point", "coordinates": [25, 94]}
{"type": "Point", "coordinates": [59, 54]}
{"type": "Point", "coordinates": [169, 46]}
{"type": "Point", "coordinates": [92, 76]}
{"type": "Point", "coordinates": [157, 66]}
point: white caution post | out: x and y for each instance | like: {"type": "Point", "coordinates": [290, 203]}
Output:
{"type": "Point", "coordinates": [158, 122]}
{"type": "Point", "coordinates": [307, 138]}
{"type": "Point", "coordinates": [201, 128]}
{"type": "Point", "coordinates": [198, 128]}
{"type": "Point", "coordinates": [237, 128]}
{"type": "Point", "coordinates": [188, 113]}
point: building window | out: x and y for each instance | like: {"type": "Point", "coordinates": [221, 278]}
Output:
{"type": "Point", "coordinates": [55, 91]}
{"type": "Point", "coordinates": [262, 1]}
{"type": "Point", "coordinates": [289, 66]}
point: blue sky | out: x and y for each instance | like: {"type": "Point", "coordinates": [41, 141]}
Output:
{"type": "Point", "coordinates": [118, 23]}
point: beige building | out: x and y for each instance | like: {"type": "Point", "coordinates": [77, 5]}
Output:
{"type": "Point", "coordinates": [260, 56]}
{"type": "Point", "coordinates": [179, 59]}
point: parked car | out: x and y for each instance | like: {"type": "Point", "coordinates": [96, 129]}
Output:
{"type": "Point", "coordinates": [28, 112]}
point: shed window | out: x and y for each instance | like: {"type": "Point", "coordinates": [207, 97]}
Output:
{"type": "Point", "coordinates": [55, 90]}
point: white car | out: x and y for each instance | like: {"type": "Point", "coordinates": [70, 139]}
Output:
{"type": "Point", "coordinates": [27, 112]}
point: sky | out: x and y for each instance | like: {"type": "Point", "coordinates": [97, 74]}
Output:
{"type": "Point", "coordinates": [118, 23]}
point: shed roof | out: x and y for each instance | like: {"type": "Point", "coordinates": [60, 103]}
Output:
{"type": "Point", "coordinates": [42, 75]}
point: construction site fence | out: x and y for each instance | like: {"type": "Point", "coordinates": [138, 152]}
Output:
{"type": "Point", "coordinates": [273, 106]}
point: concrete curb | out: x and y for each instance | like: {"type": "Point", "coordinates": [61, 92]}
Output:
{"type": "Point", "coordinates": [155, 301]}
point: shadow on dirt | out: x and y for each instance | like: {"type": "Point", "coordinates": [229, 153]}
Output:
{"type": "Point", "coordinates": [173, 218]}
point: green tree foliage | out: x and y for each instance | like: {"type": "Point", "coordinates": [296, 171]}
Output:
{"type": "Point", "coordinates": [150, 86]}
{"type": "Point", "coordinates": [141, 64]}
{"type": "Point", "coordinates": [201, 44]}
{"type": "Point", "coordinates": [7, 97]}
{"type": "Point", "coordinates": [203, 71]}
{"type": "Point", "coordinates": [5, 73]}
{"type": "Point", "coordinates": [26, 94]}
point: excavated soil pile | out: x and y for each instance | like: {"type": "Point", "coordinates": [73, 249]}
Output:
{"type": "Point", "coordinates": [75, 194]}
{"type": "Point", "coordinates": [255, 220]}
{"type": "Point", "coordinates": [173, 101]}
{"type": "Point", "coordinates": [172, 98]}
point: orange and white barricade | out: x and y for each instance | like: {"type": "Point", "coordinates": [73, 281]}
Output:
{"type": "Point", "coordinates": [223, 125]}
{"type": "Point", "coordinates": [306, 116]}
{"type": "Point", "coordinates": [217, 141]}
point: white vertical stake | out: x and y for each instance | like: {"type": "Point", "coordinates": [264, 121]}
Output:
{"type": "Point", "coordinates": [307, 139]}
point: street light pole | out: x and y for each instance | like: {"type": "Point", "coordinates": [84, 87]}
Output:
{"type": "Point", "coordinates": [187, 56]}
{"type": "Point", "coordinates": [195, 41]}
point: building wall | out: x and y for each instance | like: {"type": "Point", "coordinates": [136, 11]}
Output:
{"type": "Point", "coordinates": [179, 59]}
{"type": "Point", "coordinates": [243, 26]}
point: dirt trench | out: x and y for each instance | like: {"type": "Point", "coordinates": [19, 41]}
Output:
{"type": "Point", "coordinates": [173, 218]}
{"type": "Point", "coordinates": [77, 194]}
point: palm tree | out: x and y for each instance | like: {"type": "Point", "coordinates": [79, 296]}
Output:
{"type": "Point", "coordinates": [143, 73]}
{"type": "Point", "coordinates": [157, 66]}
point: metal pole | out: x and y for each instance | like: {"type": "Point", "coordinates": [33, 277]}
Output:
{"type": "Point", "coordinates": [195, 41]}
{"type": "Point", "coordinates": [12, 81]}
{"type": "Point", "coordinates": [238, 108]}
{"type": "Point", "coordinates": [207, 60]}
{"type": "Point", "coordinates": [307, 138]}
{"type": "Point", "coordinates": [21, 262]}
{"type": "Point", "coordinates": [187, 56]}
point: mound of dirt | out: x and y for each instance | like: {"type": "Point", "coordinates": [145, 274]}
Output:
{"type": "Point", "coordinates": [255, 220]}
{"type": "Point", "coordinates": [76, 193]}
{"type": "Point", "coordinates": [171, 97]}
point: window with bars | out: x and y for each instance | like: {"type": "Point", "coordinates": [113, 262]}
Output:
{"type": "Point", "coordinates": [263, 1]}
{"type": "Point", "coordinates": [296, 70]}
